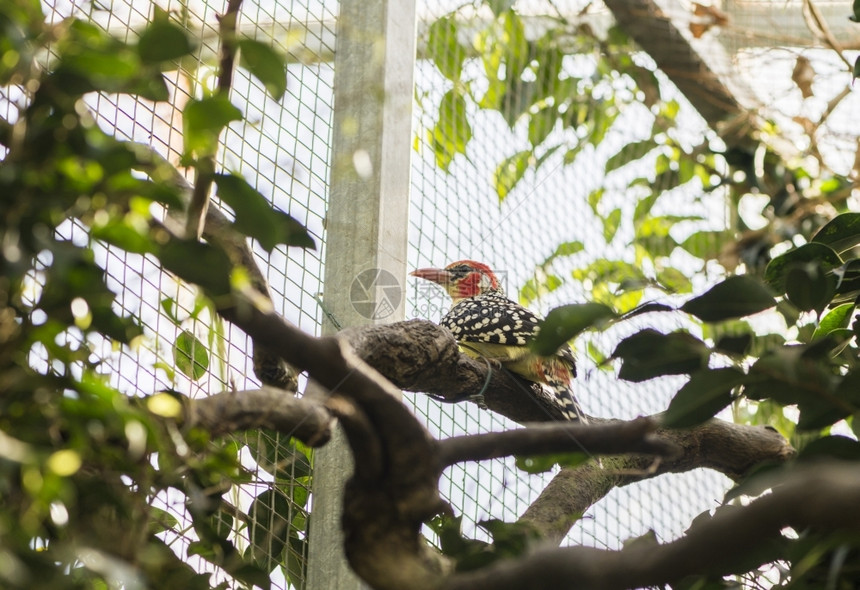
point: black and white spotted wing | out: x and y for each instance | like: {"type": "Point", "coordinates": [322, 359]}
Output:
{"type": "Point", "coordinates": [494, 319]}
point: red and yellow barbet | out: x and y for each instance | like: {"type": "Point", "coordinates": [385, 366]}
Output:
{"type": "Point", "coordinates": [488, 325]}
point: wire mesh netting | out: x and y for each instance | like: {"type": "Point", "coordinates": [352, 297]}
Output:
{"type": "Point", "coordinates": [282, 149]}
{"type": "Point", "coordinates": [458, 215]}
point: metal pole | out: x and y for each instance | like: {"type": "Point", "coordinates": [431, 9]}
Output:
{"type": "Point", "coordinates": [366, 223]}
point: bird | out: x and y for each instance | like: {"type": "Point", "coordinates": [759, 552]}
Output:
{"type": "Point", "coordinates": [489, 325]}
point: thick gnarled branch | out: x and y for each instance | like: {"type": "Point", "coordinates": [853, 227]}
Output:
{"type": "Point", "coordinates": [824, 497]}
{"type": "Point", "coordinates": [268, 407]}
{"type": "Point", "coordinates": [731, 449]}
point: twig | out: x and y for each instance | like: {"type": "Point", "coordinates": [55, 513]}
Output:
{"type": "Point", "coordinates": [818, 26]}
{"type": "Point", "coordinates": [205, 168]}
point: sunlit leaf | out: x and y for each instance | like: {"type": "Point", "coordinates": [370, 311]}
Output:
{"type": "Point", "coordinates": [706, 393]}
{"type": "Point", "coordinates": [594, 198]}
{"type": "Point", "coordinates": [510, 172]}
{"type": "Point", "coordinates": [163, 41]}
{"type": "Point", "coordinates": [707, 245]}
{"type": "Point", "coordinates": [841, 233]}
{"type": "Point", "coordinates": [541, 125]}
{"type": "Point", "coordinates": [674, 280]}
{"type": "Point", "coordinates": [444, 48]}
{"type": "Point", "coordinates": [267, 64]}
{"type": "Point", "coordinates": [514, 44]}
{"type": "Point", "coordinates": [735, 297]}
{"type": "Point", "coordinates": [452, 131]}
{"type": "Point", "coordinates": [836, 318]}
{"type": "Point", "coordinates": [611, 224]}
{"type": "Point", "coordinates": [499, 6]}
{"type": "Point", "coordinates": [629, 153]}
{"type": "Point", "coordinates": [203, 120]}
{"type": "Point", "coordinates": [191, 355]}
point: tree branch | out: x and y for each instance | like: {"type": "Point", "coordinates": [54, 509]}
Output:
{"type": "Point", "coordinates": [732, 541]}
{"type": "Point", "coordinates": [603, 439]}
{"type": "Point", "coordinates": [418, 355]}
{"type": "Point", "coordinates": [268, 407]}
{"type": "Point", "coordinates": [731, 449]}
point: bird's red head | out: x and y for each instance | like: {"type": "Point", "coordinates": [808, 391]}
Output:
{"type": "Point", "coordinates": [461, 279]}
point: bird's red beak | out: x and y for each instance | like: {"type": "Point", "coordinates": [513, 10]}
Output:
{"type": "Point", "coordinates": [440, 276]}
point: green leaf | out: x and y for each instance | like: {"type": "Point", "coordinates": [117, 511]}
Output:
{"type": "Point", "coordinates": [649, 307]}
{"type": "Point", "coordinates": [788, 375]}
{"type": "Point", "coordinates": [649, 354]}
{"type": "Point", "coordinates": [267, 64]}
{"type": "Point", "coordinates": [252, 575]}
{"type": "Point", "coordinates": [594, 198]}
{"type": "Point", "coordinates": [191, 355]}
{"type": "Point", "coordinates": [126, 236]}
{"type": "Point", "coordinates": [198, 263]}
{"type": "Point", "coordinates": [565, 249]}
{"type": "Point", "coordinates": [777, 270]}
{"type": "Point", "coordinates": [734, 345]}
{"type": "Point", "coordinates": [452, 131]}
{"type": "Point", "coordinates": [820, 411]}
{"type": "Point", "coordinates": [203, 120]}
{"type": "Point", "coordinates": [848, 279]}
{"type": "Point", "coordinates": [499, 6]}
{"type": "Point", "coordinates": [510, 538]}
{"type": "Point", "coordinates": [163, 41]}
{"type": "Point", "coordinates": [644, 206]}
{"type": "Point", "coordinates": [706, 393]}
{"type": "Point", "coordinates": [510, 172]}
{"type": "Point", "coordinates": [707, 245]}
{"type": "Point", "coordinates": [808, 286]}
{"type": "Point", "coordinates": [566, 322]}
{"type": "Point", "coordinates": [629, 153]}
{"type": "Point", "coordinates": [674, 280]}
{"type": "Point", "coordinates": [541, 124]}
{"type": "Point", "coordinates": [515, 46]}
{"type": "Point", "coordinates": [841, 233]}
{"type": "Point", "coordinates": [256, 218]}
{"type": "Point", "coordinates": [761, 478]}
{"type": "Point", "coordinates": [444, 48]}
{"type": "Point", "coordinates": [611, 224]}
{"type": "Point", "coordinates": [735, 297]}
{"type": "Point", "coordinates": [269, 528]}
{"type": "Point", "coordinates": [831, 447]}
{"type": "Point", "coordinates": [855, 73]}
{"type": "Point", "coordinates": [837, 318]}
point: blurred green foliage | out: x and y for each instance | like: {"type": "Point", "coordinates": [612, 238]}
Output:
{"type": "Point", "coordinates": [98, 487]}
